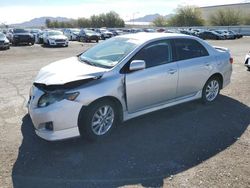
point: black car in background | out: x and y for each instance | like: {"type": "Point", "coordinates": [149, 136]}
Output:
{"type": "Point", "coordinates": [211, 35]}
{"type": "Point", "coordinates": [237, 35]}
{"type": "Point", "coordinates": [22, 36]}
{"type": "Point", "coordinates": [4, 42]}
{"type": "Point", "coordinates": [86, 35]}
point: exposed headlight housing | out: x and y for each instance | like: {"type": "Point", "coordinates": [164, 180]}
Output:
{"type": "Point", "coordinates": [50, 98]}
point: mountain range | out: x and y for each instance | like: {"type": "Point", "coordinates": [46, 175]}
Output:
{"type": "Point", "coordinates": [40, 22]}
{"type": "Point", "coordinates": [149, 18]}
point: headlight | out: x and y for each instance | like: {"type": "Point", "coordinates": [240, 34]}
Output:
{"type": "Point", "coordinates": [50, 98]}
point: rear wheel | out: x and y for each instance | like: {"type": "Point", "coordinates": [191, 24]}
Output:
{"type": "Point", "coordinates": [98, 120]}
{"type": "Point", "coordinates": [211, 90]}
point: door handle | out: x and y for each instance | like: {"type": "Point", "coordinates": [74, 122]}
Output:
{"type": "Point", "coordinates": [172, 71]}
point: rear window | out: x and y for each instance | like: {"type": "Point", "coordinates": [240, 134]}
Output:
{"type": "Point", "coordinates": [188, 49]}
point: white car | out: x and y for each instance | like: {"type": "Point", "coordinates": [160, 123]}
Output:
{"type": "Point", "coordinates": [72, 34]}
{"type": "Point", "coordinates": [55, 38]}
{"type": "Point", "coordinates": [122, 78]}
{"type": "Point", "coordinates": [247, 61]}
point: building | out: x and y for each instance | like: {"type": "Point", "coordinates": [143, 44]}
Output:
{"type": "Point", "coordinates": [243, 8]}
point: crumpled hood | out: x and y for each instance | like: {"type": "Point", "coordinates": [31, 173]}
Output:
{"type": "Point", "coordinates": [67, 70]}
{"type": "Point", "coordinates": [57, 37]}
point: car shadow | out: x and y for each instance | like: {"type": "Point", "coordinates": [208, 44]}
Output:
{"type": "Point", "coordinates": [145, 151]}
{"type": "Point", "coordinates": [49, 46]}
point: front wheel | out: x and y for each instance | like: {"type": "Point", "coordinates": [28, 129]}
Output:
{"type": "Point", "coordinates": [211, 90]}
{"type": "Point", "coordinates": [98, 120]}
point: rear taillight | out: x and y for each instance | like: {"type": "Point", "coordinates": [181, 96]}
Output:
{"type": "Point", "coordinates": [231, 60]}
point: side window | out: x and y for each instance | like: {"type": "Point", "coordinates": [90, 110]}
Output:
{"type": "Point", "coordinates": [188, 49]}
{"type": "Point", "coordinates": [156, 53]}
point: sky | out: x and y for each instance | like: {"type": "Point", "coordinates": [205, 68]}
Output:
{"type": "Point", "coordinates": [17, 11]}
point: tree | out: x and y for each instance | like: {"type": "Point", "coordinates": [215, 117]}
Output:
{"type": "Point", "coordinates": [225, 17]}
{"type": "Point", "coordinates": [186, 16]}
{"type": "Point", "coordinates": [246, 20]}
{"type": "Point", "coordinates": [48, 23]}
{"type": "Point", "coordinates": [160, 21]}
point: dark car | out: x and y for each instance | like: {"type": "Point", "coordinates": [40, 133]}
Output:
{"type": "Point", "coordinates": [4, 42]}
{"type": "Point", "coordinates": [105, 34]}
{"type": "Point", "coordinates": [22, 36]}
{"type": "Point", "coordinates": [211, 35]}
{"type": "Point", "coordinates": [236, 34]}
{"type": "Point", "coordinates": [87, 35]}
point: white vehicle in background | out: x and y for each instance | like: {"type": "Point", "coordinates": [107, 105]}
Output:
{"type": "Point", "coordinates": [55, 38]}
{"type": "Point", "coordinates": [247, 61]}
{"type": "Point", "coordinates": [72, 34]}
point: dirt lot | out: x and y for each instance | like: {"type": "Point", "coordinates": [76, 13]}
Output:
{"type": "Point", "coordinates": [190, 145]}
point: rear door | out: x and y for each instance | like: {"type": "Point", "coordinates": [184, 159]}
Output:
{"type": "Point", "coordinates": [157, 83]}
{"type": "Point", "coordinates": [194, 65]}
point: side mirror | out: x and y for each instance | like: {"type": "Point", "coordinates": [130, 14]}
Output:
{"type": "Point", "coordinates": [136, 65]}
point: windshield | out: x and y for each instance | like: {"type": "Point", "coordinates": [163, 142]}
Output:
{"type": "Point", "coordinates": [52, 33]}
{"type": "Point", "coordinates": [20, 31]}
{"type": "Point", "coordinates": [75, 30]}
{"type": "Point", "coordinates": [89, 32]}
{"type": "Point", "coordinates": [2, 36]}
{"type": "Point", "coordinates": [108, 53]}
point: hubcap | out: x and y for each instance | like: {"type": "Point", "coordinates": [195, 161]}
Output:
{"type": "Point", "coordinates": [102, 120]}
{"type": "Point", "coordinates": [212, 90]}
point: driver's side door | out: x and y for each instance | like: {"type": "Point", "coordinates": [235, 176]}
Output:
{"type": "Point", "coordinates": [155, 84]}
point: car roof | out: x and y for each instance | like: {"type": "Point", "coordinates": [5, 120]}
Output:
{"type": "Point", "coordinates": [144, 37]}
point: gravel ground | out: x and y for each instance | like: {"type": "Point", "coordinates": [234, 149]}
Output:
{"type": "Point", "coordinates": [189, 145]}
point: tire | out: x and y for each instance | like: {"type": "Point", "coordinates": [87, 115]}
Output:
{"type": "Point", "coordinates": [90, 126]}
{"type": "Point", "coordinates": [211, 90]}
{"type": "Point", "coordinates": [248, 68]}
{"type": "Point", "coordinates": [97, 41]}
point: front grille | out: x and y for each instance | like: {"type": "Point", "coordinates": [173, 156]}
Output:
{"type": "Point", "coordinates": [60, 40]}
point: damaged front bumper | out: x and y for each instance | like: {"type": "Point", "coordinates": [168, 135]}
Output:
{"type": "Point", "coordinates": [54, 122]}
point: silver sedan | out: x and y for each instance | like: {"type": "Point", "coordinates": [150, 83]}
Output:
{"type": "Point", "coordinates": [122, 78]}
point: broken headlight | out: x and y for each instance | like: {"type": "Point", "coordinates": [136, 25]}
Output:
{"type": "Point", "coordinates": [50, 98]}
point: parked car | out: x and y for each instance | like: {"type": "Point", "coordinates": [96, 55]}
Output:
{"type": "Point", "coordinates": [72, 34]}
{"type": "Point", "coordinates": [116, 32]}
{"type": "Point", "coordinates": [237, 35]}
{"type": "Point", "coordinates": [247, 61]}
{"type": "Point", "coordinates": [226, 34]}
{"type": "Point", "coordinates": [211, 35]}
{"type": "Point", "coordinates": [105, 34]}
{"type": "Point", "coordinates": [122, 78]}
{"type": "Point", "coordinates": [55, 38]}
{"type": "Point", "coordinates": [22, 36]}
{"type": "Point", "coordinates": [35, 33]}
{"type": "Point", "coordinates": [4, 42]}
{"type": "Point", "coordinates": [86, 35]}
